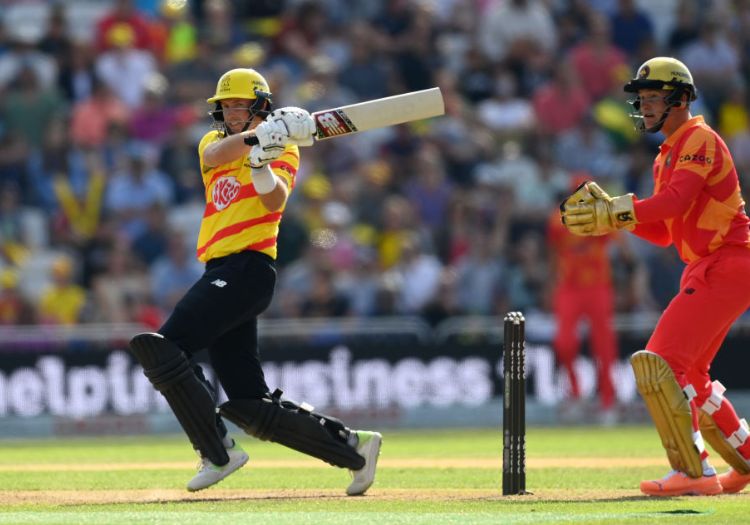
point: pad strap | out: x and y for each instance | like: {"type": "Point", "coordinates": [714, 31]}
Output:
{"type": "Point", "coordinates": [714, 401]}
{"type": "Point", "coordinates": [739, 436]}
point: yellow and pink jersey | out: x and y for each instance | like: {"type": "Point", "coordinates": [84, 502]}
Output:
{"type": "Point", "coordinates": [235, 219]}
{"type": "Point", "coordinates": [697, 204]}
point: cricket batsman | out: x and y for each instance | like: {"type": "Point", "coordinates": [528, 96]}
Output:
{"type": "Point", "coordinates": [697, 206]}
{"type": "Point", "coordinates": [246, 190]}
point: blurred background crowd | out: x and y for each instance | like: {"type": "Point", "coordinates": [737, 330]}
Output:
{"type": "Point", "coordinates": [103, 103]}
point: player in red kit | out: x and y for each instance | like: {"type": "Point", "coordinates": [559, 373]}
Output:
{"type": "Point", "coordinates": [698, 207]}
{"type": "Point", "coordinates": [583, 290]}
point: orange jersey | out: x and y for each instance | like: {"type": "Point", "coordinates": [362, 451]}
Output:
{"type": "Point", "coordinates": [580, 261]}
{"type": "Point", "coordinates": [235, 219]}
{"type": "Point", "coordinates": [697, 204]}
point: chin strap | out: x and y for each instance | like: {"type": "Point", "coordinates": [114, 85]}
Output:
{"type": "Point", "coordinates": [657, 127]}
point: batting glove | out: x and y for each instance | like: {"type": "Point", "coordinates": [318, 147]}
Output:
{"type": "Point", "coordinates": [259, 157]}
{"type": "Point", "coordinates": [299, 124]}
{"type": "Point", "coordinates": [272, 134]}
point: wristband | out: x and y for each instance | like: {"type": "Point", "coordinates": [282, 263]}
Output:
{"type": "Point", "coordinates": [250, 140]}
{"type": "Point", "coordinates": [264, 179]}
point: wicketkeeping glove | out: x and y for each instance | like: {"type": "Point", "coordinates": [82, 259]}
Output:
{"type": "Point", "coordinates": [591, 211]}
{"type": "Point", "coordinates": [299, 124]}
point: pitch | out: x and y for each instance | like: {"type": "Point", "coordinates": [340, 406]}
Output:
{"type": "Point", "coordinates": [577, 475]}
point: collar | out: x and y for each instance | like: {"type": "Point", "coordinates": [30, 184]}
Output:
{"type": "Point", "coordinates": [679, 132]}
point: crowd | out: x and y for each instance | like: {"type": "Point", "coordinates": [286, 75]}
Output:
{"type": "Point", "coordinates": [103, 104]}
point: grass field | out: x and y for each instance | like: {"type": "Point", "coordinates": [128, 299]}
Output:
{"type": "Point", "coordinates": [577, 475]}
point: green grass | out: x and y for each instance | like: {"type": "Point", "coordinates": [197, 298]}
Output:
{"type": "Point", "coordinates": [420, 481]}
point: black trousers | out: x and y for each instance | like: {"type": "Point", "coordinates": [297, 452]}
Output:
{"type": "Point", "coordinates": [220, 312]}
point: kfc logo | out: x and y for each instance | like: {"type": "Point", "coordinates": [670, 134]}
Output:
{"type": "Point", "coordinates": [225, 191]}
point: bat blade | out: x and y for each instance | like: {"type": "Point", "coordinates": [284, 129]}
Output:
{"type": "Point", "coordinates": [379, 113]}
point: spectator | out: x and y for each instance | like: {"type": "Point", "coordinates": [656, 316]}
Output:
{"type": "Point", "coordinates": [631, 27]}
{"type": "Point", "coordinates": [173, 273]}
{"type": "Point", "coordinates": [135, 188]}
{"type": "Point", "coordinates": [714, 63]}
{"type": "Point", "coordinates": [516, 29]}
{"type": "Point", "coordinates": [418, 273]}
{"type": "Point", "coordinates": [324, 300]}
{"type": "Point", "coordinates": [28, 108]}
{"type": "Point", "coordinates": [151, 244]}
{"type": "Point", "coordinates": [124, 67]}
{"type": "Point", "coordinates": [552, 116]}
{"type": "Point", "coordinates": [366, 73]}
{"type": "Point", "coordinates": [506, 112]}
{"type": "Point", "coordinates": [479, 275]}
{"type": "Point", "coordinates": [63, 302]}
{"type": "Point", "coordinates": [22, 56]}
{"type": "Point", "coordinates": [15, 309]}
{"type": "Point", "coordinates": [93, 117]}
{"type": "Point", "coordinates": [597, 61]}
{"type": "Point", "coordinates": [123, 15]}
{"type": "Point", "coordinates": [685, 30]}
{"type": "Point", "coordinates": [13, 248]}
{"type": "Point", "coordinates": [428, 190]}
{"type": "Point", "coordinates": [155, 119]}
{"type": "Point", "coordinates": [588, 148]}
{"type": "Point", "coordinates": [122, 282]}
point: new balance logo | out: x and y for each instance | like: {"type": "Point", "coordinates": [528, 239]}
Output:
{"type": "Point", "coordinates": [219, 283]}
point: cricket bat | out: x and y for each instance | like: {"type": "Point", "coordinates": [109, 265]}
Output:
{"type": "Point", "coordinates": [377, 113]}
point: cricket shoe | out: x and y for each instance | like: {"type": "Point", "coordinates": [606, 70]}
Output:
{"type": "Point", "coordinates": [368, 446]}
{"type": "Point", "coordinates": [210, 474]}
{"type": "Point", "coordinates": [678, 483]}
{"type": "Point", "coordinates": [732, 481]}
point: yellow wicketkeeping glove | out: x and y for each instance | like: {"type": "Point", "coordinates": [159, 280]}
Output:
{"type": "Point", "coordinates": [591, 211]}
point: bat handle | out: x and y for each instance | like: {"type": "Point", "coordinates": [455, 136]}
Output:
{"type": "Point", "coordinates": [252, 140]}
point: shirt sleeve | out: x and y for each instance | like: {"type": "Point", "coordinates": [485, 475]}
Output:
{"type": "Point", "coordinates": [694, 162]}
{"type": "Point", "coordinates": [208, 138]}
{"type": "Point", "coordinates": [672, 201]}
{"type": "Point", "coordinates": [286, 165]}
{"type": "Point", "coordinates": [655, 232]}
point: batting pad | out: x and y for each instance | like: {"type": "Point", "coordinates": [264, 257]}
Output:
{"type": "Point", "coordinates": [670, 411]}
{"type": "Point", "coordinates": [719, 443]}
{"type": "Point", "coordinates": [169, 370]}
{"type": "Point", "coordinates": [294, 426]}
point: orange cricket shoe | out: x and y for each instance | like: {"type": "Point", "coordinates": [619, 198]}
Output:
{"type": "Point", "coordinates": [733, 481]}
{"type": "Point", "coordinates": [678, 483]}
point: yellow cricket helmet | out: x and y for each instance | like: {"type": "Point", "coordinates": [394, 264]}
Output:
{"type": "Point", "coordinates": [663, 73]}
{"type": "Point", "coordinates": [241, 83]}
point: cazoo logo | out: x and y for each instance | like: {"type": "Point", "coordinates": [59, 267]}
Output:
{"type": "Point", "coordinates": [695, 158]}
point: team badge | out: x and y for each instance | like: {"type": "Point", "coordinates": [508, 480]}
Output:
{"type": "Point", "coordinates": [225, 191]}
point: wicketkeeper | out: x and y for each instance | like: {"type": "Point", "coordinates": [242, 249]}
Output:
{"type": "Point", "coordinates": [698, 207]}
{"type": "Point", "coordinates": [246, 190]}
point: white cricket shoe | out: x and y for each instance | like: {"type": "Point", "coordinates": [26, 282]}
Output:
{"type": "Point", "coordinates": [368, 446]}
{"type": "Point", "coordinates": [210, 474]}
